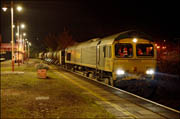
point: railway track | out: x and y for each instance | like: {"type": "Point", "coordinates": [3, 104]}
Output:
{"type": "Point", "coordinates": [154, 107]}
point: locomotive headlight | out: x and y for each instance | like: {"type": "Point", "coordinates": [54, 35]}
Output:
{"type": "Point", "coordinates": [150, 71]}
{"type": "Point", "coordinates": [120, 72]}
{"type": "Point", "coordinates": [134, 40]}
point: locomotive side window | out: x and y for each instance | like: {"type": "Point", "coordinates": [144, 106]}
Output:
{"type": "Point", "coordinates": [123, 50]}
{"type": "Point", "coordinates": [69, 56]}
{"type": "Point", "coordinates": [109, 51]}
{"type": "Point", "coordinates": [104, 50]}
{"type": "Point", "coordinates": [144, 50]}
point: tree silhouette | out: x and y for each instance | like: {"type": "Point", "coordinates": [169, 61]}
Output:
{"type": "Point", "coordinates": [58, 42]}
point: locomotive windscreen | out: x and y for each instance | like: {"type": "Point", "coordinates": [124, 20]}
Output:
{"type": "Point", "coordinates": [144, 50]}
{"type": "Point", "coordinates": [123, 50]}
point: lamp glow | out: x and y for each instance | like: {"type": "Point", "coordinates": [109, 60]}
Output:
{"type": "Point", "coordinates": [4, 9]}
{"type": "Point", "coordinates": [19, 8]}
{"type": "Point", "coordinates": [120, 72]}
{"type": "Point", "coordinates": [22, 26]}
{"type": "Point", "coordinates": [134, 40]}
{"type": "Point", "coordinates": [150, 71]}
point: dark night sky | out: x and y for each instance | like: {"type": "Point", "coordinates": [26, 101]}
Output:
{"type": "Point", "coordinates": [87, 19]}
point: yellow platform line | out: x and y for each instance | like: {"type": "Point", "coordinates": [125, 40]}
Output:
{"type": "Point", "coordinates": [100, 97]}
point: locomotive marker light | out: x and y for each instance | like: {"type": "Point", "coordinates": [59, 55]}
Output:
{"type": "Point", "coordinates": [120, 72]}
{"type": "Point", "coordinates": [150, 71]}
{"type": "Point", "coordinates": [134, 40]}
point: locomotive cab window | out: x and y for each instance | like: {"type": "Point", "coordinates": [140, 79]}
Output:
{"type": "Point", "coordinates": [123, 50]}
{"type": "Point", "coordinates": [144, 50]}
{"type": "Point", "coordinates": [69, 56]}
{"type": "Point", "coordinates": [107, 51]}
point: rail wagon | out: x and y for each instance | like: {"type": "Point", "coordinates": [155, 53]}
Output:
{"type": "Point", "coordinates": [123, 56]}
{"type": "Point", "coordinates": [41, 54]}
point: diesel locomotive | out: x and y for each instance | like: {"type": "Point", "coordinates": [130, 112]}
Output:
{"type": "Point", "coordinates": [123, 56]}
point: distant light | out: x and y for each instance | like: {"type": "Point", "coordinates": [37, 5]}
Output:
{"type": "Point", "coordinates": [26, 39]}
{"type": "Point", "coordinates": [164, 40]}
{"type": "Point", "coordinates": [158, 47]}
{"type": "Point", "coordinates": [29, 44]}
{"type": "Point", "coordinates": [134, 40]}
{"type": "Point", "coordinates": [164, 47]}
{"type": "Point", "coordinates": [24, 34]}
{"type": "Point", "coordinates": [19, 8]}
{"type": "Point", "coordinates": [13, 26]}
{"type": "Point", "coordinates": [17, 34]}
{"type": "Point", "coordinates": [4, 9]}
{"type": "Point", "coordinates": [156, 44]}
{"type": "Point", "coordinates": [22, 26]}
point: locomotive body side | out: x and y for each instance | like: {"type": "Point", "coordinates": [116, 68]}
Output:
{"type": "Point", "coordinates": [123, 56]}
{"type": "Point", "coordinates": [83, 54]}
{"type": "Point", "coordinates": [104, 57]}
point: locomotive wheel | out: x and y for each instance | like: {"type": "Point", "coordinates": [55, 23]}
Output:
{"type": "Point", "coordinates": [143, 88]}
{"type": "Point", "coordinates": [111, 81]}
{"type": "Point", "coordinates": [106, 81]}
{"type": "Point", "coordinates": [90, 75]}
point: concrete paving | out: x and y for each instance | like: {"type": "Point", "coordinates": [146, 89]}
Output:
{"type": "Point", "coordinates": [120, 104]}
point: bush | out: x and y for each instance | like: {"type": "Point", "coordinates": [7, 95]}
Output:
{"type": "Point", "coordinates": [42, 66]}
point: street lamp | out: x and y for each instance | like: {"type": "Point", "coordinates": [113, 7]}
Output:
{"type": "Point", "coordinates": [19, 8]}
{"type": "Point", "coordinates": [4, 9]}
{"type": "Point", "coordinates": [22, 26]}
{"type": "Point", "coordinates": [24, 34]}
{"type": "Point", "coordinates": [12, 33]}
{"type": "Point", "coordinates": [29, 50]}
{"type": "Point", "coordinates": [19, 37]}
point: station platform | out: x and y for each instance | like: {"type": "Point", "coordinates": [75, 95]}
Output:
{"type": "Point", "coordinates": [122, 104]}
{"type": "Point", "coordinates": [65, 94]}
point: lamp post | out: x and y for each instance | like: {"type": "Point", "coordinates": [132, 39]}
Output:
{"type": "Point", "coordinates": [29, 44]}
{"type": "Point", "coordinates": [19, 27]}
{"type": "Point", "coordinates": [12, 36]}
{"type": "Point", "coordinates": [18, 41]}
{"type": "Point", "coordinates": [24, 46]}
{"type": "Point", "coordinates": [12, 31]}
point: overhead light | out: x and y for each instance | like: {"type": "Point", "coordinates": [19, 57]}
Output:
{"type": "Point", "coordinates": [4, 9]}
{"type": "Point", "coordinates": [19, 8]}
{"type": "Point", "coordinates": [22, 26]}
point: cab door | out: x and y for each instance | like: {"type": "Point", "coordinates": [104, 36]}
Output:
{"type": "Point", "coordinates": [100, 57]}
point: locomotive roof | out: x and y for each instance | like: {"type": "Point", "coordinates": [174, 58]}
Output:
{"type": "Point", "coordinates": [123, 35]}
{"type": "Point", "coordinates": [112, 38]}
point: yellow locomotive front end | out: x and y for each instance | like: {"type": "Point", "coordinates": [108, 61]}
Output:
{"type": "Point", "coordinates": [133, 58]}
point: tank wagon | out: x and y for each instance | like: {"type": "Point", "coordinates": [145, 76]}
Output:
{"type": "Point", "coordinates": [123, 56]}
